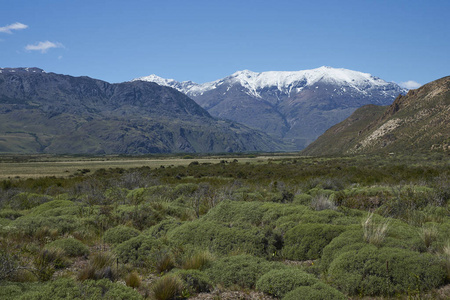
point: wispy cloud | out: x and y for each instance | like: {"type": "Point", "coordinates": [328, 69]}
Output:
{"type": "Point", "coordinates": [11, 27]}
{"type": "Point", "coordinates": [43, 46]}
{"type": "Point", "coordinates": [410, 85]}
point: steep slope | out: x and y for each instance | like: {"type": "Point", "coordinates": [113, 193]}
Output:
{"type": "Point", "coordinates": [53, 113]}
{"type": "Point", "coordinates": [296, 106]}
{"type": "Point", "coordinates": [419, 121]}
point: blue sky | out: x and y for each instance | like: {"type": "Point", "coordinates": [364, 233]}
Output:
{"type": "Point", "coordinates": [206, 40]}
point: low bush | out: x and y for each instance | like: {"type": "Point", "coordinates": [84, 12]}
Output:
{"type": "Point", "coordinates": [223, 239]}
{"type": "Point", "coordinates": [135, 250]}
{"type": "Point", "coordinates": [279, 282]}
{"type": "Point", "coordinates": [26, 200]}
{"type": "Point", "coordinates": [385, 271]}
{"type": "Point", "coordinates": [65, 288]}
{"type": "Point", "coordinates": [119, 234]}
{"type": "Point", "coordinates": [70, 246]}
{"type": "Point", "coordinates": [30, 224]}
{"type": "Point", "coordinates": [236, 212]}
{"type": "Point", "coordinates": [10, 214]}
{"type": "Point", "coordinates": [306, 241]}
{"type": "Point", "coordinates": [159, 230]}
{"type": "Point", "coordinates": [318, 291]}
{"type": "Point", "coordinates": [47, 207]}
{"type": "Point", "coordinates": [195, 281]}
{"type": "Point", "coordinates": [14, 290]}
{"type": "Point", "coordinates": [348, 240]}
{"type": "Point", "coordinates": [240, 270]}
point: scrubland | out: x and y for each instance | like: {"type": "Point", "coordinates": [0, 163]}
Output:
{"type": "Point", "coordinates": [272, 228]}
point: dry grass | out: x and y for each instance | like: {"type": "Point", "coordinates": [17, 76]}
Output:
{"type": "Point", "coordinates": [167, 287]}
{"type": "Point", "coordinates": [322, 202]}
{"type": "Point", "coordinates": [133, 280]}
{"type": "Point", "coordinates": [374, 233]}
{"type": "Point", "coordinates": [428, 235]}
{"type": "Point", "coordinates": [446, 257]}
{"type": "Point", "coordinates": [197, 261]}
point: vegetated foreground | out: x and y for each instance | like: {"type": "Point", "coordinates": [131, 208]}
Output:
{"type": "Point", "coordinates": [286, 228]}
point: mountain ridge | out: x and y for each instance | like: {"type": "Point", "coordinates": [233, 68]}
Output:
{"type": "Point", "coordinates": [52, 113]}
{"type": "Point", "coordinates": [296, 106]}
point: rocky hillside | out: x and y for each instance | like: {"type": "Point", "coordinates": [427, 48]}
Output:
{"type": "Point", "coordinates": [295, 106]}
{"type": "Point", "coordinates": [419, 121]}
{"type": "Point", "coordinates": [51, 113]}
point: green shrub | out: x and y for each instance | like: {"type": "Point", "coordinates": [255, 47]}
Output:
{"type": "Point", "coordinates": [236, 212]}
{"type": "Point", "coordinates": [145, 250]}
{"type": "Point", "coordinates": [302, 199]}
{"type": "Point", "coordinates": [70, 246]}
{"type": "Point", "coordinates": [385, 271]}
{"type": "Point", "coordinates": [10, 214]}
{"type": "Point", "coordinates": [348, 240]}
{"type": "Point", "coordinates": [14, 290]}
{"type": "Point", "coordinates": [25, 200]}
{"type": "Point", "coordinates": [65, 288]}
{"type": "Point", "coordinates": [51, 205]}
{"type": "Point", "coordinates": [240, 270]}
{"type": "Point", "coordinates": [30, 224]}
{"type": "Point", "coordinates": [129, 251]}
{"type": "Point", "coordinates": [141, 216]}
{"type": "Point", "coordinates": [184, 189]}
{"type": "Point", "coordinates": [161, 229]}
{"type": "Point", "coordinates": [318, 291]}
{"type": "Point", "coordinates": [306, 241]}
{"type": "Point", "coordinates": [167, 287]}
{"type": "Point", "coordinates": [223, 239]}
{"type": "Point", "coordinates": [279, 282]}
{"type": "Point", "coordinates": [195, 281]}
{"type": "Point", "coordinates": [119, 234]}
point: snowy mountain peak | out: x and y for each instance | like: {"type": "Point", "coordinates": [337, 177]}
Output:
{"type": "Point", "coordinates": [307, 77]}
{"type": "Point", "coordinates": [284, 81]}
{"type": "Point", "coordinates": [156, 79]}
{"type": "Point", "coordinates": [183, 87]}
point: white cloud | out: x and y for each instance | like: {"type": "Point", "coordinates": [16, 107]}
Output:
{"type": "Point", "coordinates": [410, 85]}
{"type": "Point", "coordinates": [43, 46]}
{"type": "Point", "coordinates": [11, 27]}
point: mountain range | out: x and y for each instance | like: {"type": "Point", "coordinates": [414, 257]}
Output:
{"type": "Point", "coordinates": [416, 122]}
{"type": "Point", "coordinates": [52, 113]}
{"type": "Point", "coordinates": [294, 106]}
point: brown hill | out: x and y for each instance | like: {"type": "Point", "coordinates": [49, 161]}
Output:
{"type": "Point", "coordinates": [417, 122]}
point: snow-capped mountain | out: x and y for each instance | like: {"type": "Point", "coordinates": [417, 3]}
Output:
{"type": "Point", "coordinates": [298, 105]}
